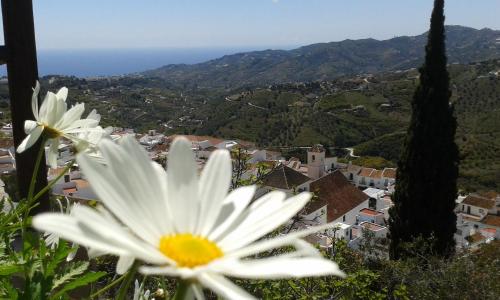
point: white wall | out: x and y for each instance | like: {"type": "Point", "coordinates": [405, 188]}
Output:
{"type": "Point", "coordinates": [350, 216]}
{"type": "Point", "coordinates": [474, 210]}
{"type": "Point", "coordinates": [257, 156]}
{"type": "Point", "coordinates": [318, 216]}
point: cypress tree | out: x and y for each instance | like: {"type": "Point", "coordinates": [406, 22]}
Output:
{"type": "Point", "coordinates": [425, 193]}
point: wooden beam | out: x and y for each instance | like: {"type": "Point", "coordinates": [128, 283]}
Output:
{"type": "Point", "coordinates": [3, 55]}
{"type": "Point", "coordinates": [22, 73]}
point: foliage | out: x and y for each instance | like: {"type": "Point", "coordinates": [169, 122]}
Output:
{"type": "Point", "coordinates": [373, 162]}
{"type": "Point", "coordinates": [31, 270]}
{"type": "Point", "coordinates": [428, 167]}
{"type": "Point", "coordinates": [464, 276]}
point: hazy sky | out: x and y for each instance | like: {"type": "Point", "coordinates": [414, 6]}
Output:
{"type": "Point", "coordinates": [241, 23]}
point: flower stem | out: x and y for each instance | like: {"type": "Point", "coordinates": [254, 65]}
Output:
{"type": "Point", "coordinates": [51, 183]}
{"type": "Point", "coordinates": [122, 292]}
{"type": "Point", "coordinates": [31, 188]}
{"type": "Point", "coordinates": [41, 151]}
{"type": "Point", "coordinates": [112, 284]}
{"type": "Point", "coordinates": [182, 290]}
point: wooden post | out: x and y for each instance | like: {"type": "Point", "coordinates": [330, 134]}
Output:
{"type": "Point", "coordinates": [22, 72]}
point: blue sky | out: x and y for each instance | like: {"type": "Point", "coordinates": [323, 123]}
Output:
{"type": "Point", "coordinates": [241, 23]}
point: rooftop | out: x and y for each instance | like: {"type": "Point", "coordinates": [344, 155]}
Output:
{"type": "Point", "coordinates": [353, 168]}
{"type": "Point", "coordinates": [476, 200]}
{"type": "Point", "coordinates": [491, 220]}
{"type": "Point", "coordinates": [373, 192]}
{"type": "Point", "coordinates": [476, 237]}
{"type": "Point", "coordinates": [335, 191]}
{"type": "Point", "coordinates": [389, 173]}
{"type": "Point", "coordinates": [285, 178]}
{"type": "Point", "coordinates": [371, 226]}
{"type": "Point", "coordinates": [366, 172]}
{"type": "Point", "coordinates": [370, 212]}
{"type": "Point", "coordinates": [317, 148]}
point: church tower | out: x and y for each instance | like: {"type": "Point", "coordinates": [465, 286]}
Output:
{"type": "Point", "coordinates": [316, 162]}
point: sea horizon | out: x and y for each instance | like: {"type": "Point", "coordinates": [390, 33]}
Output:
{"type": "Point", "coordinates": [115, 62]}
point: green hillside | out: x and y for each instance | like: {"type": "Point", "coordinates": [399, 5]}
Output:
{"type": "Point", "coordinates": [367, 112]}
{"type": "Point", "coordinates": [370, 113]}
{"type": "Point", "coordinates": [326, 61]}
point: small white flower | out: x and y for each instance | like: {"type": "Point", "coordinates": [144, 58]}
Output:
{"type": "Point", "coordinates": [55, 121]}
{"type": "Point", "coordinates": [139, 293]}
{"type": "Point", "coordinates": [185, 226]}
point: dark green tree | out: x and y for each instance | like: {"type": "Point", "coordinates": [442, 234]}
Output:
{"type": "Point", "coordinates": [428, 167]}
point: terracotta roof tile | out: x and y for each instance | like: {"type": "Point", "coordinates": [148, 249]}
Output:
{"type": "Point", "coordinates": [376, 174]}
{"type": "Point", "coordinates": [371, 226]}
{"type": "Point", "coordinates": [389, 173]}
{"type": "Point", "coordinates": [491, 220]}
{"type": "Point", "coordinates": [366, 172]}
{"type": "Point", "coordinates": [6, 143]}
{"type": "Point", "coordinates": [371, 212]}
{"type": "Point", "coordinates": [284, 177]}
{"type": "Point", "coordinates": [476, 200]}
{"type": "Point", "coordinates": [335, 191]}
{"type": "Point", "coordinates": [353, 169]}
{"type": "Point", "coordinates": [490, 194]}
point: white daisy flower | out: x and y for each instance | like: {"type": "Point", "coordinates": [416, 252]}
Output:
{"type": "Point", "coordinates": [87, 140]}
{"type": "Point", "coordinates": [55, 121]}
{"type": "Point", "coordinates": [185, 226]}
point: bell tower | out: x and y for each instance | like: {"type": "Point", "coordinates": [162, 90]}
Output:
{"type": "Point", "coordinates": [316, 162]}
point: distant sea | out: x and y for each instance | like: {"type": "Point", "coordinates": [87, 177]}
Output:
{"type": "Point", "coordinates": [108, 62]}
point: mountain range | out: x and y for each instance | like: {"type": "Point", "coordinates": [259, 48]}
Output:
{"type": "Point", "coordinates": [326, 61]}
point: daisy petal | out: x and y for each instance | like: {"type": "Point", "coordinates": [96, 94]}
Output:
{"type": "Point", "coordinates": [50, 117]}
{"type": "Point", "coordinates": [29, 126]}
{"type": "Point", "coordinates": [93, 115]}
{"type": "Point", "coordinates": [71, 116]}
{"type": "Point", "coordinates": [67, 227]}
{"type": "Point", "coordinates": [279, 267]}
{"type": "Point", "coordinates": [234, 204]}
{"type": "Point", "coordinates": [197, 291]}
{"type": "Point", "coordinates": [261, 222]}
{"type": "Point", "coordinates": [62, 93]}
{"type": "Point", "coordinates": [214, 185]}
{"type": "Point", "coordinates": [124, 263]}
{"type": "Point", "coordinates": [183, 273]}
{"type": "Point", "coordinates": [223, 287]}
{"type": "Point", "coordinates": [34, 100]}
{"type": "Point", "coordinates": [119, 194]}
{"type": "Point", "coordinates": [93, 221]}
{"type": "Point", "coordinates": [53, 153]}
{"type": "Point", "coordinates": [30, 139]}
{"type": "Point", "coordinates": [182, 185]}
{"type": "Point", "coordinates": [276, 242]}
{"type": "Point", "coordinates": [61, 108]}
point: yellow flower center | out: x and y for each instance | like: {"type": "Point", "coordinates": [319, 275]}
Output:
{"type": "Point", "coordinates": [189, 250]}
{"type": "Point", "coordinates": [50, 132]}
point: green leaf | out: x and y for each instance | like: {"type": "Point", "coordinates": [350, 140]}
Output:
{"type": "Point", "coordinates": [76, 270]}
{"type": "Point", "coordinates": [61, 252]}
{"type": "Point", "coordinates": [7, 290]}
{"type": "Point", "coordinates": [78, 282]}
{"type": "Point", "coordinates": [10, 269]}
